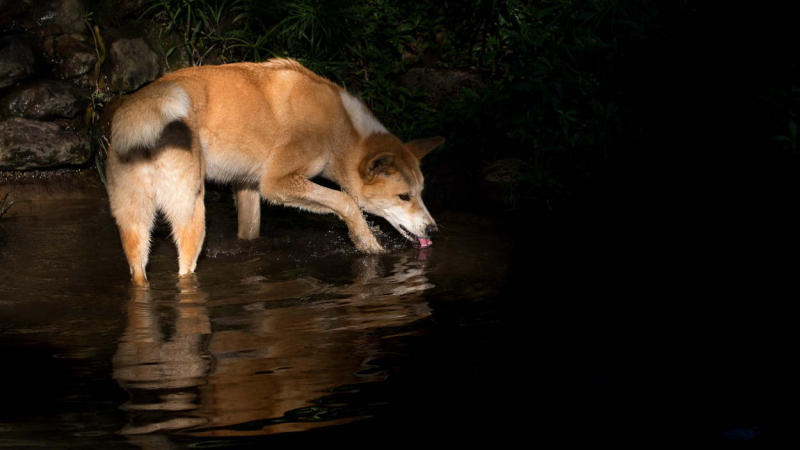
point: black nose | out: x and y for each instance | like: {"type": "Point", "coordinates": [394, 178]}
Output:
{"type": "Point", "coordinates": [431, 229]}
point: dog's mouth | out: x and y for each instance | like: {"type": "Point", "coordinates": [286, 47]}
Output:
{"type": "Point", "coordinates": [416, 240]}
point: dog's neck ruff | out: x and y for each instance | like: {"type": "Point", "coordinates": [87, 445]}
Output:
{"type": "Point", "coordinates": [362, 118]}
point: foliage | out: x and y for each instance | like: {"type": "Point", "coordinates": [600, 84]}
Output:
{"type": "Point", "coordinates": [204, 25]}
{"type": "Point", "coordinates": [784, 101]}
{"type": "Point", "coordinates": [99, 98]}
{"type": "Point", "coordinates": [549, 91]}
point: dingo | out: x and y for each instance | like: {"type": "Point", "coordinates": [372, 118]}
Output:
{"type": "Point", "coordinates": [265, 128]}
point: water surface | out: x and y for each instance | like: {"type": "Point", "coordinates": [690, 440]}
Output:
{"type": "Point", "coordinates": [289, 333]}
{"type": "Point", "coordinates": [580, 331]}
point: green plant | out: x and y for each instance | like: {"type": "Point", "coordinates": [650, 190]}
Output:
{"type": "Point", "coordinates": [548, 92]}
{"type": "Point", "coordinates": [204, 25]}
{"type": "Point", "coordinates": [316, 28]}
{"type": "Point", "coordinates": [98, 100]}
{"type": "Point", "coordinates": [792, 139]}
{"type": "Point", "coordinates": [255, 47]}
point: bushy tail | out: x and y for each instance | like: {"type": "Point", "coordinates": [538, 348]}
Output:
{"type": "Point", "coordinates": [141, 119]}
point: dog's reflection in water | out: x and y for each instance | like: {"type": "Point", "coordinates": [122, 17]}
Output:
{"type": "Point", "coordinates": [261, 363]}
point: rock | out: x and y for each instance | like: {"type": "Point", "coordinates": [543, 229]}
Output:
{"type": "Point", "coordinates": [46, 99]}
{"type": "Point", "coordinates": [502, 183]}
{"type": "Point", "coordinates": [16, 61]}
{"type": "Point", "coordinates": [10, 12]}
{"type": "Point", "coordinates": [31, 144]}
{"type": "Point", "coordinates": [133, 64]}
{"type": "Point", "coordinates": [506, 170]}
{"type": "Point", "coordinates": [59, 16]}
{"type": "Point", "coordinates": [71, 55]}
{"type": "Point", "coordinates": [440, 83]}
{"type": "Point", "coordinates": [129, 5]}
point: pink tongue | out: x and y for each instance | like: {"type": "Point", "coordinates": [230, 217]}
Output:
{"type": "Point", "coordinates": [424, 243]}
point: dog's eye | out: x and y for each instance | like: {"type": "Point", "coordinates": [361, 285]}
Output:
{"type": "Point", "coordinates": [404, 197]}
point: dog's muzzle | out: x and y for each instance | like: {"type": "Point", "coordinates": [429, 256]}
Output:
{"type": "Point", "coordinates": [424, 242]}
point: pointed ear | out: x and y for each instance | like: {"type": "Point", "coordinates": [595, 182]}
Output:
{"type": "Point", "coordinates": [381, 163]}
{"type": "Point", "coordinates": [422, 147]}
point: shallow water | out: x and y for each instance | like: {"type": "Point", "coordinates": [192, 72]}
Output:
{"type": "Point", "coordinates": [581, 332]}
{"type": "Point", "coordinates": [288, 333]}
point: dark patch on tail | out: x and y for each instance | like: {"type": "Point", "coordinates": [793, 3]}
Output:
{"type": "Point", "coordinates": [176, 135]}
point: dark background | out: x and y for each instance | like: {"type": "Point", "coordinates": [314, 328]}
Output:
{"type": "Point", "coordinates": [651, 183]}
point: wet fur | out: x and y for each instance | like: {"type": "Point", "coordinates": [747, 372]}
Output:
{"type": "Point", "coordinates": [266, 129]}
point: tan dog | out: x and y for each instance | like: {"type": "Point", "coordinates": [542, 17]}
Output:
{"type": "Point", "coordinates": [265, 128]}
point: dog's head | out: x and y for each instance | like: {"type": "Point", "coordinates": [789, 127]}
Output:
{"type": "Point", "coordinates": [392, 185]}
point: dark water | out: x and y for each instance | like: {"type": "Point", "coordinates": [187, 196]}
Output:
{"type": "Point", "coordinates": [292, 332]}
{"type": "Point", "coordinates": [501, 331]}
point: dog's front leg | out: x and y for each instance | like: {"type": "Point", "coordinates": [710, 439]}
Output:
{"type": "Point", "coordinates": [298, 191]}
{"type": "Point", "coordinates": [248, 208]}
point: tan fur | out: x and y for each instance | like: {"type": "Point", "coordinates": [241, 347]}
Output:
{"type": "Point", "coordinates": [266, 128]}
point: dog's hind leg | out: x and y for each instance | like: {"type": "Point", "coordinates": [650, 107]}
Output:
{"type": "Point", "coordinates": [132, 198]}
{"type": "Point", "coordinates": [248, 206]}
{"type": "Point", "coordinates": [181, 188]}
{"type": "Point", "coordinates": [188, 231]}
{"type": "Point", "coordinates": [135, 218]}
{"type": "Point", "coordinates": [181, 200]}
